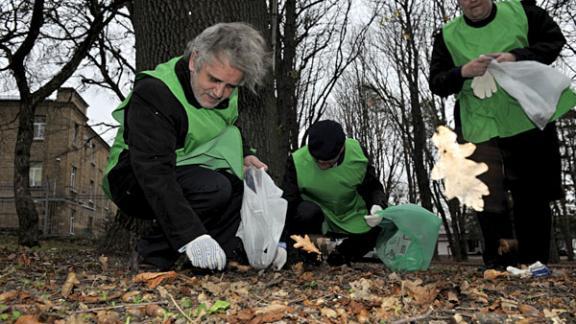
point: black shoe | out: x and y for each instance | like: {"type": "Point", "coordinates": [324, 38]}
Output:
{"type": "Point", "coordinates": [336, 259]}
{"type": "Point", "coordinates": [308, 259]}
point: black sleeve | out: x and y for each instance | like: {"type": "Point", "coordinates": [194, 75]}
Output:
{"type": "Point", "coordinates": [545, 39]}
{"type": "Point", "coordinates": [445, 78]}
{"type": "Point", "coordinates": [290, 188]}
{"type": "Point", "coordinates": [371, 188]}
{"type": "Point", "coordinates": [157, 125]}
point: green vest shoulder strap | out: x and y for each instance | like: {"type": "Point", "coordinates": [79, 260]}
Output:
{"type": "Point", "coordinates": [335, 189]}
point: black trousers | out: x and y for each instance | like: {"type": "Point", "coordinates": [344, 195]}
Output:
{"type": "Point", "coordinates": [308, 219]}
{"type": "Point", "coordinates": [215, 196]}
{"type": "Point", "coordinates": [526, 167]}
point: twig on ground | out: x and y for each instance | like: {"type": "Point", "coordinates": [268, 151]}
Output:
{"type": "Point", "coordinates": [180, 309]}
{"type": "Point", "coordinates": [96, 309]}
{"type": "Point", "coordinates": [415, 318]}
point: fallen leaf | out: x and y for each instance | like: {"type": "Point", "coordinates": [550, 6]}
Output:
{"type": "Point", "coordinates": [71, 281]}
{"type": "Point", "coordinates": [422, 294]}
{"type": "Point", "coordinates": [459, 173]}
{"type": "Point", "coordinates": [27, 319]}
{"type": "Point", "coordinates": [273, 312]}
{"type": "Point", "coordinates": [103, 262]}
{"type": "Point", "coordinates": [153, 279]}
{"type": "Point", "coordinates": [305, 244]}
{"type": "Point", "coordinates": [8, 296]}
{"type": "Point", "coordinates": [528, 310]}
{"type": "Point", "coordinates": [234, 265]}
{"type": "Point", "coordinates": [108, 317]}
{"type": "Point", "coordinates": [154, 310]}
{"type": "Point", "coordinates": [328, 312]}
{"type": "Point", "coordinates": [492, 274]}
{"type": "Point", "coordinates": [130, 296]}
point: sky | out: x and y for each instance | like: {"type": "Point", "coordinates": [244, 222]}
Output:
{"type": "Point", "coordinates": [101, 104]}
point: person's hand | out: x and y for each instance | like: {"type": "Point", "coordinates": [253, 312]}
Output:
{"type": "Point", "coordinates": [373, 219]}
{"type": "Point", "coordinates": [503, 57]}
{"type": "Point", "coordinates": [252, 160]}
{"type": "Point", "coordinates": [476, 67]}
{"type": "Point", "coordinates": [204, 252]}
{"type": "Point", "coordinates": [280, 257]}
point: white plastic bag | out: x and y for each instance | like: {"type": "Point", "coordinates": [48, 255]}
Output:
{"type": "Point", "coordinates": [536, 86]}
{"type": "Point", "coordinates": [263, 215]}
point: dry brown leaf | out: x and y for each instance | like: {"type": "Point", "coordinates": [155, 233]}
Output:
{"type": "Point", "coordinates": [103, 262]}
{"type": "Point", "coordinates": [492, 274]}
{"type": "Point", "coordinates": [328, 312]}
{"type": "Point", "coordinates": [298, 267]}
{"type": "Point", "coordinates": [245, 314]}
{"type": "Point", "coordinates": [24, 260]}
{"type": "Point", "coordinates": [71, 281]}
{"type": "Point", "coordinates": [528, 310]}
{"type": "Point", "coordinates": [9, 295]}
{"type": "Point", "coordinates": [108, 317]}
{"type": "Point", "coordinates": [154, 310]}
{"type": "Point", "coordinates": [422, 294]}
{"type": "Point", "coordinates": [234, 265]}
{"type": "Point", "coordinates": [272, 313]}
{"type": "Point", "coordinates": [305, 244]}
{"type": "Point", "coordinates": [153, 279]}
{"type": "Point", "coordinates": [130, 296]}
{"type": "Point", "coordinates": [452, 297]}
{"type": "Point", "coordinates": [27, 319]}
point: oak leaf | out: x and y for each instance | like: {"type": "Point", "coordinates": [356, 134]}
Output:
{"type": "Point", "coordinates": [71, 281]}
{"type": "Point", "coordinates": [305, 244]}
{"type": "Point", "coordinates": [459, 173]}
{"type": "Point", "coordinates": [153, 279]}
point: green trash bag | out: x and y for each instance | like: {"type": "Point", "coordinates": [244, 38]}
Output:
{"type": "Point", "coordinates": [408, 237]}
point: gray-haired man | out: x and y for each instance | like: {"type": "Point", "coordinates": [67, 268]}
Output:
{"type": "Point", "coordinates": [178, 158]}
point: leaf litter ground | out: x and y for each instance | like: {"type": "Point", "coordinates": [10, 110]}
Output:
{"type": "Point", "coordinates": [73, 284]}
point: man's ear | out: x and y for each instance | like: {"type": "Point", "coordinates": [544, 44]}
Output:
{"type": "Point", "coordinates": [191, 61]}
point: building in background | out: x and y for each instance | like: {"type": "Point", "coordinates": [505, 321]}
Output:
{"type": "Point", "coordinates": [67, 162]}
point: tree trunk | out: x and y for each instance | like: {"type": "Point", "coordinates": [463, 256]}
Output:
{"type": "Point", "coordinates": [25, 207]}
{"type": "Point", "coordinates": [163, 29]}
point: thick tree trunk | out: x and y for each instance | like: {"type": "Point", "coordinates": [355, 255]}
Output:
{"type": "Point", "coordinates": [25, 207]}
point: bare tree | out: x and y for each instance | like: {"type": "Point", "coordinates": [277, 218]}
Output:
{"type": "Point", "coordinates": [55, 35]}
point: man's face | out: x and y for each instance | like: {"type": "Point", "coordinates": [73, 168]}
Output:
{"type": "Point", "coordinates": [214, 82]}
{"type": "Point", "coordinates": [476, 9]}
{"type": "Point", "coordinates": [325, 165]}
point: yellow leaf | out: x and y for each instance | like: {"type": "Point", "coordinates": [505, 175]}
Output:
{"type": "Point", "coordinates": [305, 244]}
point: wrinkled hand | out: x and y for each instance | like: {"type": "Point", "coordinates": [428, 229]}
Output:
{"type": "Point", "coordinates": [476, 67]}
{"type": "Point", "coordinates": [280, 257]}
{"type": "Point", "coordinates": [484, 86]}
{"type": "Point", "coordinates": [373, 219]}
{"type": "Point", "coordinates": [204, 252]}
{"type": "Point", "coordinates": [252, 160]}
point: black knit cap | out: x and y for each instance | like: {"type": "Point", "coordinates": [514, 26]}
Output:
{"type": "Point", "coordinates": [325, 139]}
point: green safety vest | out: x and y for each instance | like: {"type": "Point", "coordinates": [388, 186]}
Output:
{"type": "Point", "coordinates": [212, 140]}
{"type": "Point", "coordinates": [335, 189]}
{"type": "Point", "coordinates": [500, 115]}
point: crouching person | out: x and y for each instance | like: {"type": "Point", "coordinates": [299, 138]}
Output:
{"type": "Point", "coordinates": [178, 157]}
{"type": "Point", "coordinates": [331, 186]}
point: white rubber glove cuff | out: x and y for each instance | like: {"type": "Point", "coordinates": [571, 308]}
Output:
{"type": "Point", "coordinates": [280, 257]}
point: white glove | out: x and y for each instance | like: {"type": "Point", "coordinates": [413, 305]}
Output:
{"type": "Point", "coordinates": [280, 257]}
{"type": "Point", "coordinates": [373, 219]}
{"type": "Point", "coordinates": [484, 86]}
{"type": "Point", "coordinates": [204, 252]}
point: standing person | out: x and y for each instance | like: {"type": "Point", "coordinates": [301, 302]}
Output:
{"type": "Point", "coordinates": [330, 185]}
{"type": "Point", "coordinates": [178, 157]}
{"type": "Point", "coordinates": [522, 159]}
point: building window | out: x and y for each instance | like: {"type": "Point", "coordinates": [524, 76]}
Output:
{"type": "Point", "coordinates": [91, 193]}
{"type": "Point", "coordinates": [76, 134]}
{"type": "Point", "coordinates": [73, 174]}
{"type": "Point", "coordinates": [72, 216]}
{"type": "Point", "coordinates": [35, 174]}
{"type": "Point", "coordinates": [39, 127]}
